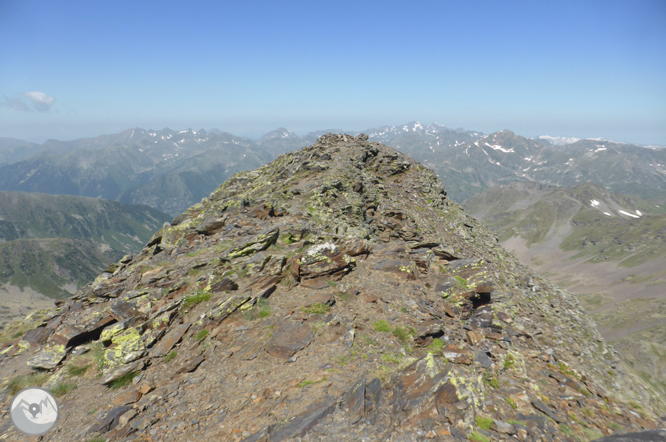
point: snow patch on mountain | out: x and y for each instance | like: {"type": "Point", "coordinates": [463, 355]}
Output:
{"type": "Point", "coordinates": [629, 214]}
{"type": "Point", "coordinates": [498, 147]}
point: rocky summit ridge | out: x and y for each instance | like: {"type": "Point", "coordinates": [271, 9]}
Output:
{"type": "Point", "coordinates": [333, 294]}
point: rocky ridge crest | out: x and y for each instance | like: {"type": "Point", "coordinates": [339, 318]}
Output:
{"type": "Point", "coordinates": [333, 294]}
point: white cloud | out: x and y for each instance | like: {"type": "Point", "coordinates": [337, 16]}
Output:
{"type": "Point", "coordinates": [40, 100]}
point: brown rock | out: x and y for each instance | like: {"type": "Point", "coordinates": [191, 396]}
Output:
{"type": "Point", "coordinates": [145, 389]}
{"type": "Point", "coordinates": [127, 398]}
{"type": "Point", "coordinates": [224, 285]}
{"type": "Point", "coordinates": [126, 417]}
{"type": "Point", "coordinates": [288, 339]}
{"type": "Point", "coordinates": [446, 394]}
{"type": "Point", "coordinates": [122, 371]}
{"type": "Point", "coordinates": [325, 263]}
{"type": "Point", "coordinates": [37, 336]}
{"type": "Point", "coordinates": [166, 343]}
{"type": "Point", "coordinates": [504, 317]}
{"type": "Point", "coordinates": [191, 364]}
{"type": "Point", "coordinates": [315, 284]}
{"type": "Point", "coordinates": [403, 269]}
{"type": "Point", "coordinates": [474, 337]}
{"type": "Point", "coordinates": [319, 298]}
{"type": "Point", "coordinates": [264, 286]}
{"type": "Point", "coordinates": [369, 298]}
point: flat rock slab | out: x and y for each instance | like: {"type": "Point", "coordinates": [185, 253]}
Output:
{"type": "Point", "coordinates": [122, 371]}
{"type": "Point", "coordinates": [227, 307]}
{"type": "Point", "coordinates": [298, 427]}
{"type": "Point", "coordinates": [548, 411]}
{"type": "Point", "coordinates": [166, 343]}
{"type": "Point", "coordinates": [288, 339]}
{"type": "Point", "coordinates": [126, 398]}
{"type": "Point", "coordinates": [48, 358]}
{"type": "Point", "coordinates": [110, 421]}
{"type": "Point", "coordinates": [403, 269]}
{"type": "Point", "coordinates": [356, 402]}
{"type": "Point", "coordinates": [315, 284]}
{"type": "Point", "coordinates": [642, 436]}
{"type": "Point", "coordinates": [191, 364]}
{"type": "Point", "coordinates": [224, 285]}
{"type": "Point", "coordinates": [37, 336]}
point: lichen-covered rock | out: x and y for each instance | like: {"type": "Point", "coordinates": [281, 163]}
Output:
{"type": "Point", "coordinates": [126, 346]}
{"type": "Point", "coordinates": [49, 357]}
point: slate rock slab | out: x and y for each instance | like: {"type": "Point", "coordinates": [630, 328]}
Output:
{"type": "Point", "coordinates": [298, 427]}
{"type": "Point", "coordinates": [110, 421]}
{"type": "Point", "coordinates": [37, 336]}
{"type": "Point", "coordinates": [288, 339]}
{"type": "Point", "coordinates": [48, 358]}
{"type": "Point", "coordinates": [641, 436]}
{"type": "Point", "coordinates": [122, 371]}
{"type": "Point", "coordinates": [167, 342]}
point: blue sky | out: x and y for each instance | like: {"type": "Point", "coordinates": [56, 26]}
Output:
{"type": "Point", "coordinates": [583, 69]}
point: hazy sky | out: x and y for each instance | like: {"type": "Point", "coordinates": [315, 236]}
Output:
{"type": "Point", "coordinates": [581, 68]}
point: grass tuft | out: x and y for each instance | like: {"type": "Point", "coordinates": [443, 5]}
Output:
{"type": "Point", "coordinates": [18, 383]}
{"type": "Point", "coordinates": [317, 309]}
{"type": "Point", "coordinates": [63, 388]}
{"type": "Point", "coordinates": [511, 403]}
{"type": "Point", "coordinates": [403, 335]}
{"type": "Point", "coordinates": [201, 335]}
{"type": "Point", "coordinates": [478, 437]}
{"type": "Point", "coordinates": [382, 326]}
{"type": "Point", "coordinates": [484, 422]}
{"type": "Point", "coordinates": [395, 358]}
{"type": "Point", "coordinates": [123, 381]}
{"type": "Point", "coordinates": [170, 356]}
{"type": "Point", "coordinates": [436, 345]}
{"type": "Point", "coordinates": [73, 370]}
{"type": "Point", "coordinates": [194, 299]}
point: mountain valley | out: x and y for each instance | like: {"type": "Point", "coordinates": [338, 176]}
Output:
{"type": "Point", "coordinates": [607, 248]}
{"type": "Point", "coordinates": [51, 245]}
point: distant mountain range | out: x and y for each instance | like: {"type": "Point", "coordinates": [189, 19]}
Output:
{"type": "Point", "coordinates": [610, 249]}
{"type": "Point", "coordinates": [171, 170]}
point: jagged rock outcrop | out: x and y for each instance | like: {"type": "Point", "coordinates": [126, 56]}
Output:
{"type": "Point", "coordinates": [333, 294]}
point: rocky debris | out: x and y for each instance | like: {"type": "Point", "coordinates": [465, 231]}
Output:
{"type": "Point", "coordinates": [334, 294]}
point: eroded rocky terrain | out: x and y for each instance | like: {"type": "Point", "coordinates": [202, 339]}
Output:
{"type": "Point", "coordinates": [333, 294]}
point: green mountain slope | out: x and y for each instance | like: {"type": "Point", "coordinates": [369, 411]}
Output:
{"type": "Point", "coordinates": [609, 249]}
{"type": "Point", "coordinates": [53, 244]}
{"type": "Point", "coordinates": [48, 265]}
